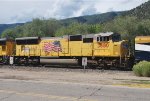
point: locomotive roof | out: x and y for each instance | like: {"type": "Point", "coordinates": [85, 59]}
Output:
{"type": "Point", "coordinates": [3, 39]}
{"type": "Point", "coordinates": [27, 38]}
{"type": "Point", "coordinates": [106, 34]}
{"type": "Point", "coordinates": [83, 36]}
{"type": "Point", "coordinates": [51, 38]}
{"type": "Point", "coordinates": [88, 36]}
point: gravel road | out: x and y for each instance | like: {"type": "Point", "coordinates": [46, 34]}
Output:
{"type": "Point", "coordinates": [20, 83]}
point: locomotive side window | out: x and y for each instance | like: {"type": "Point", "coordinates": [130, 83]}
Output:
{"type": "Point", "coordinates": [2, 42]}
{"type": "Point", "coordinates": [76, 38]}
{"type": "Point", "coordinates": [20, 42]}
{"type": "Point", "coordinates": [87, 40]}
{"type": "Point", "coordinates": [107, 38]}
{"type": "Point", "coordinates": [27, 41]}
{"type": "Point", "coordinates": [98, 39]}
{"type": "Point", "coordinates": [32, 41]}
{"type": "Point", "coordinates": [103, 38]}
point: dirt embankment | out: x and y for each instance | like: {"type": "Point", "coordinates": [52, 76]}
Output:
{"type": "Point", "coordinates": [64, 75]}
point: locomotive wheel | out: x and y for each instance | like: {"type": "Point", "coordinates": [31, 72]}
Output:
{"type": "Point", "coordinates": [27, 61]}
{"type": "Point", "coordinates": [129, 64]}
{"type": "Point", "coordinates": [17, 60]}
{"type": "Point", "coordinates": [80, 61]}
{"type": "Point", "coordinates": [38, 61]}
{"type": "Point", "coordinates": [106, 67]}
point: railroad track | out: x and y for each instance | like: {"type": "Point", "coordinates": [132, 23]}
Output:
{"type": "Point", "coordinates": [61, 68]}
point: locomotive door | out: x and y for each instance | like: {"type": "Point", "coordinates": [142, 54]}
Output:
{"type": "Point", "coordinates": [87, 46]}
{"type": "Point", "coordinates": [65, 45]}
{"type": "Point", "coordinates": [75, 45]}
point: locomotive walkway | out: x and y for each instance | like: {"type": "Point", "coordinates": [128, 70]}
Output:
{"type": "Point", "coordinates": [37, 84]}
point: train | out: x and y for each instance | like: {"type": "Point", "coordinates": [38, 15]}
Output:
{"type": "Point", "coordinates": [101, 49]}
{"type": "Point", "coordinates": [142, 48]}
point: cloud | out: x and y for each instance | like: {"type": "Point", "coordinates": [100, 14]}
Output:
{"type": "Point", "coordinates": [15, 11]}
{"type": "Point", "coordinates": [25, 16]}
{"type": "Point", "coordinates": [126, 1]}
{"type": "Point", "coordinates": [68, 8]}
{"type": "Point", "coordinates": [89, 11]}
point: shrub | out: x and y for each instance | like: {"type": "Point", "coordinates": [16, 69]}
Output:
{"type": "Point", "coordinates": [142, 69]}
{"type": "Point", "coordinates": [137, 69]}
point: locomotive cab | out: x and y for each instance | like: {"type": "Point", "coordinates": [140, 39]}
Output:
{"type": "Point", "coordinates": [112, 42]}
{"type": "Point", "coordinates": [107, 44]}
{"type": "Point", "coordinates": [110, 50]}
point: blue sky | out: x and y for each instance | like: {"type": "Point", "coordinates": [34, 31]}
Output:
{"type": "Point", "coordinates": [17, 11]}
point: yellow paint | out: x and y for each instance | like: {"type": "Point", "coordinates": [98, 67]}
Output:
{"type": "Point", "coordinates": [27, 50]}
{"type": "Point", "coordinates": [54, 97]}
{"type": "Point", "coordinates": [78, 48]}
{"type": "Point", "coordinates": [142, 39]}
{"type": "Point", "coordinates": [69, 48]}
{"type": "Point", "coordinates": [134, 85]}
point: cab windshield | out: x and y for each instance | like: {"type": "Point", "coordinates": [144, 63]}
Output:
{"type": "Point", "coordinates": [103, 38]}
{"type": "Point", "coordinates": [116, 38]}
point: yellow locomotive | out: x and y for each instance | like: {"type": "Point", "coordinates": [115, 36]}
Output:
{"type": "Point", "coordinates": [104, 49]}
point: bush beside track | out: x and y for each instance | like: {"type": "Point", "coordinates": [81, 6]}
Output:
{"type": "Point", "coordinates": [142, 69]}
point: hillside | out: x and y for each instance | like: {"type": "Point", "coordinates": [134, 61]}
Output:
{"type": "Point", "coordinates": [93, 19]}
{"type": "Point", "coordinates": [141, 12]}
{"type": "Point", "coordinates": [6, 26]}
{"type": "Point", "coordinates": [89, 19]}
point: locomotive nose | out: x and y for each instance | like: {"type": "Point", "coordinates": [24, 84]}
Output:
{"type": "Point", "coordinates": [125, 48]}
